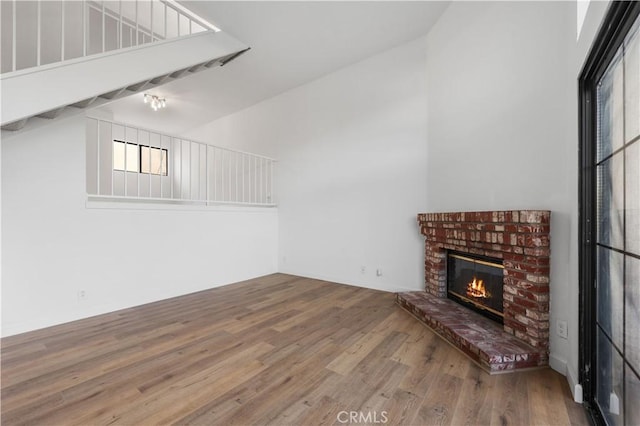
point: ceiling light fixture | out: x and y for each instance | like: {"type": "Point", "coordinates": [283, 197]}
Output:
{"type": "Point", "coordinates": [155, 101]}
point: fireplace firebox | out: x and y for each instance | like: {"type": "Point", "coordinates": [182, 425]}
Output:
{"type": "Point", "coordinates": [477, 283]}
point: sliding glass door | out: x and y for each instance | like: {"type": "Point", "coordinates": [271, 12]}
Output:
{"type": "Point", "coordinates": [610, 221]}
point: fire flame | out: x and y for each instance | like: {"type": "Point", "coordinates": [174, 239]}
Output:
{"type": "Point", "coordinates": [476, 288]}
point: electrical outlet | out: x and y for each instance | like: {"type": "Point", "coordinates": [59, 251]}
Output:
{"type": "Point", "coordinates": [562, 329]}
{"type": "Point", "coordinates": [82, 295]}
{"type": "Point", "coordinates": [379, 272]}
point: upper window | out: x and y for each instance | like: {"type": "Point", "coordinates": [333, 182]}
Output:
{"type": "Point", "coordinates": [125, 153]}
{"type": "Point", "coordinates": [139, 158]}
{"type": "Point", "coordinates": [153, 160]}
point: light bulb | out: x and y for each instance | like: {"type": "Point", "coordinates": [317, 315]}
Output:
{"type": "Point", "coordinates": [154, 101]}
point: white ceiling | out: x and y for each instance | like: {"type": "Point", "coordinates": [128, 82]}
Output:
{"type": "Point", "coordinates": [292, 43]}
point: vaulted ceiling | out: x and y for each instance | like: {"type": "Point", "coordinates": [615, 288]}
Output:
{"type": "Point", "coordinates": [292, 43]}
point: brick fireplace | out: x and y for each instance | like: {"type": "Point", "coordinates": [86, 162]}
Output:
{"type": "Point", "coordinates": [520, 238]}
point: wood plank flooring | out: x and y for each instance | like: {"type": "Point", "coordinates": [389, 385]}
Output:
{"type": "Point", "coordinates": [279, 350]}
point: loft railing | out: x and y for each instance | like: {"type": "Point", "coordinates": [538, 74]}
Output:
{"type": "Point", "coordinates": [42, 32]}
{"type": "Point", "coordinates": [129, 163]}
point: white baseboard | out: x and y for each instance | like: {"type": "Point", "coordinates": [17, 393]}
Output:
{"type": "Point", "coordinates": [561, 366]}
{"type": "Point", "coordinates": [558, 364]}
{"type": "Point", "coordinates": [391, 288]}
{"type": "Point", "coordinates": [576, 388]}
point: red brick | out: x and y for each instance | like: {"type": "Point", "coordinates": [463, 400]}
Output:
{"type": "Point", "coordinates": [486, 217]}
{"type": "Point", "coordinates": [515, 274]}
{"type": "Point", "coordinates": [502, 249]}
{"type": "Point", "coordinates": [534, 216]}
{"type": "Point", "coordinates": [533, 269]}
{"type": "Point", "coordinates": [533, 314]}
{"type": "Point", "coordinates": [516, 326]}
{"type": "Point", "coordinates": [536, 240]}
{"type": "Point", "coordinates": [525, 285]}
{"type": "Point", "coordinates": [534, 229]}
{"type": "Point", "coordinates": [511, 228]}
{"type": "Point", "coordinates": [533, 296]}
{"type": "Point", "coordinates": [537, 251]}
{"type": "Point", "coordinates": [540, 325]}
{"type": "Point", "coordinates": [534, 288]}
{"type": "Point", "coordinates": [527, 260]}
{"type": "Point", "coordinates": [515, 308]}
{"type": "Point", "coordinates": [538, 279]}
{"type": "Point", "coordinates": [510, 289]}
{"type": "Point", "coordinates": [531, 304]}
{"type": "Point", "coordinates": [536, 334]}
{"type": "Point", "coordinates": [495, 254]}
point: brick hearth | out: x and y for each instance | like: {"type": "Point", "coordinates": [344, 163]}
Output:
{"type": "Point", "coordinates": [521, 239]}
{"type": "Point", "coordinates": [482, 339]}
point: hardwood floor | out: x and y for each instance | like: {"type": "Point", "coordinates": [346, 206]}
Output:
{"type": "Point", "coordinates": [275, 350]}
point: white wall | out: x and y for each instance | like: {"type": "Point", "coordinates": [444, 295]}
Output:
{"type": "Point", "coordinates": [53, 245]}
{"type": "Point", "coordinates": [351, 175]}
{"type": "Point", "coordinates": [503, 129]}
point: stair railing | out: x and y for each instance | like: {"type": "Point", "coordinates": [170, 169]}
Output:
{"type": "Point", "coordinates": [41, 32]}
{"type": "Point", "coordinates": [129, 163]}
